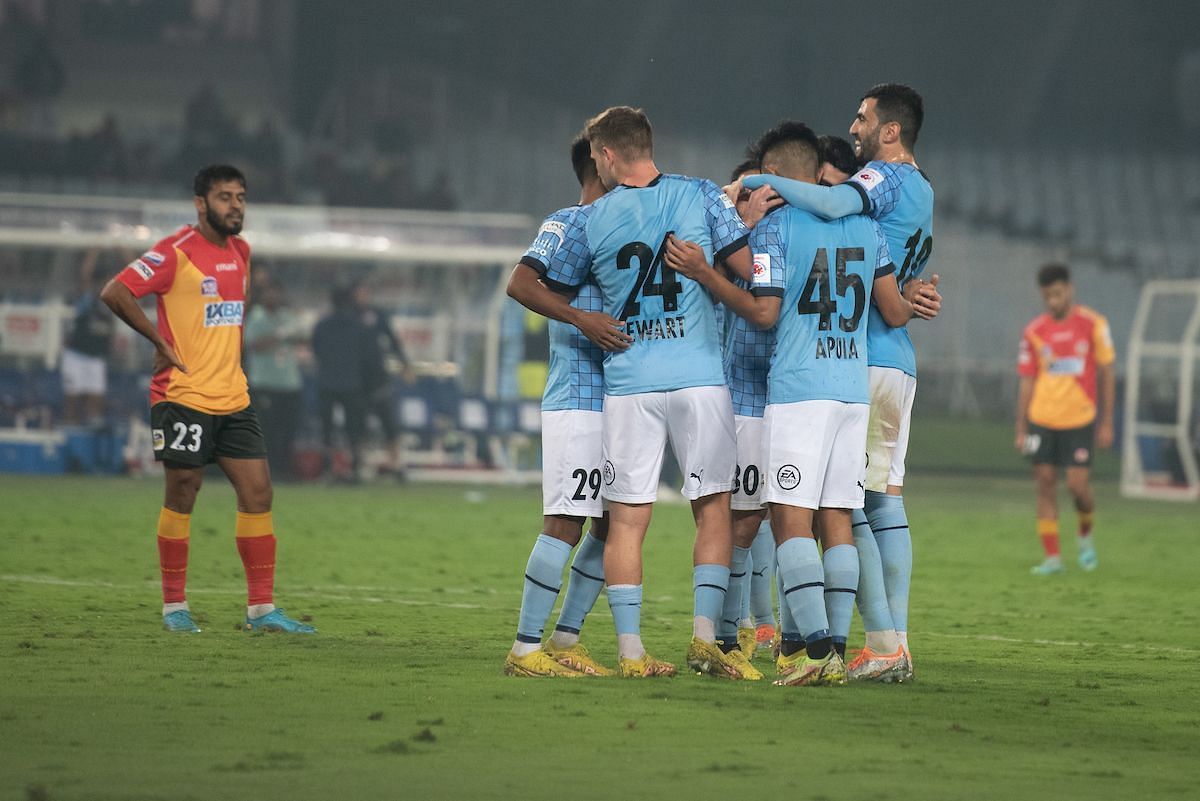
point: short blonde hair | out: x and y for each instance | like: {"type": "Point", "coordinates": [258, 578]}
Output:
{"type": "Point", "coordinates": [623, 129]}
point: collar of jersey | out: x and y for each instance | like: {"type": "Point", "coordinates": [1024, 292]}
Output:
{"type": "Point", "coordinates": [657, 178]}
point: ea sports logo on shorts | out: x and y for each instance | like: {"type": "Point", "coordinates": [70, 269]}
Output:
{"type": "Point", "coordinates": [788, 477]}
{"type": "Point", "coordinates": [610, 473]}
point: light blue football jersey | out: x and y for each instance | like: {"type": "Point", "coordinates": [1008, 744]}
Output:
{"type": "Point", "coordinates": [827, 273]}
{"type": "Point", "coordinates": [619, 241]}
{"type": "Point", "coordinates": [575, 377]}
{"type": "Point", "coordinates": [747, 348]}
{"type": "Point", "coordinates": [900, 198]}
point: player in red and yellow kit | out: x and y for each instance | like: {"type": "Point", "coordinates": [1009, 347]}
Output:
{"type": "Point", "coordinates": [200, 408]}
{"type": "Point", "coordinates": [1065, 407]}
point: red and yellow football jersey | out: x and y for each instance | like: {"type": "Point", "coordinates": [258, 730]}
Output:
{"type": "Point", "coordinates": [201, 291]}
{"type": "Point", "coordinates": [1061, 356]}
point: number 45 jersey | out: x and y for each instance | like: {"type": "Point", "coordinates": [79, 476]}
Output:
{"type": "Point", "coordinates": [826, 274]}
{"type": "Point", "coordinates": [620, 240]}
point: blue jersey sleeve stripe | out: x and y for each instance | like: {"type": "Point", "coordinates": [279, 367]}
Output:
{"type": "Point", "coordinates": [862, 193]}
{"type": "Point", "coordinates": [560, 287]}
{"type": "Point", "coordinates": [767, 291]}
{"type": "Point", "coordinates": [887, 269]}
{"type": "Point", "coordinates": [534, 264]}
{"type": "Point", "coordinates": [731, 248]}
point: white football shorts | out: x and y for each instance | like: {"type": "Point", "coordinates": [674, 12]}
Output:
{"type": "Point", "coordinates": [571, 463]}
{"type": "Point", "coordinates": [83, 374]}
{"type": "Point", "coordinates": [748, 475]}
{"type": "Point", "coordinates": [892, 394]}
{"type": "Point", "coordinates": [697, 421]}
{"type": "Point", "coordinates": [816, 454]}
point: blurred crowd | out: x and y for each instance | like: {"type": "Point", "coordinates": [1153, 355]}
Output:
{"type": "Point", "coordinates": [368, 166]}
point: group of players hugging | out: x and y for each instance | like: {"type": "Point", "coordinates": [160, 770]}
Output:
{"type": "Point", "coordinates": [760, 330]}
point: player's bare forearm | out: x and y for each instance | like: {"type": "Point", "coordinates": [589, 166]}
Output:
{"type": "Point", "coordinates": [1107, 383]}
{"type": "Point", "coordinates": [1024, 396]}
{"type": "Point", "coordinates": [895, 307]}
{"type": "Point", "coordinates": [525, 287]}
{"type": "Point", "coordinates": [123, 304]}
{"type": "Point", "coordinates": [687, 258]}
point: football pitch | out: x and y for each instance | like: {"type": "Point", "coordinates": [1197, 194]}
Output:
{"type": "Point", "coordinates": [1081, 686]}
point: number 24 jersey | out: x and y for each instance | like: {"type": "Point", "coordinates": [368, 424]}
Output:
{"type": "Point", "coordinates": [620, 240]}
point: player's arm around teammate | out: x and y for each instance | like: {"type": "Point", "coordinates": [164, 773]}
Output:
{"type": "Point", "coordinates": [604, 331]}
{"type": "Point", "coordinates": [687, 258]}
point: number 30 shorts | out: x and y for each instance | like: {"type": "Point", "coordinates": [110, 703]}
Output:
{"type": "Point", "coordinates": [571, 463]}
{"type": "Point", "coordinates": [190, 438]}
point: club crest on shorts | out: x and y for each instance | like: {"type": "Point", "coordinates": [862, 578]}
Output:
{"type": "Point", "coordinates": [610, 473]}
{"type": "Point", "coordinates": [160, 441]}
{"type": "Point", "coordinates": [1081, 455]}
{"type": "Point", "coordinates": [788, 477]}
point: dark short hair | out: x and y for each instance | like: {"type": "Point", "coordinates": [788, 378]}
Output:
{"type": "Point", "coordinates": [797, 137]}
{"type": "Point", "coordinates": [1052, 274]}
{"type": "Point", "coordinates": [581, 158]}
{"type": "Point", "coordinates": [213, 174]}
{"type": "Point", "coordinates": [746, 166]}
{"type": "Point", "coordinates": [837, 151]}
{"type": "Point", "coordinates": [623, 129]}
{"type": "Point", "coordinates": [895, 102]}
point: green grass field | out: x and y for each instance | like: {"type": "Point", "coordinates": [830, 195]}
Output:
{"type": "Point", "coordinates": [1079, 687]}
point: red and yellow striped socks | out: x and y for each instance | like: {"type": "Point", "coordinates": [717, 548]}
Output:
{"type": "Point", "coordinates": [173, 531]}
{"type": "Point", "coordinates": [256, 545]}
{"type": "Point", "coordinates": [1048, 531]}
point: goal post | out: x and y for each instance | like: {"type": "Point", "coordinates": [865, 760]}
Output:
{"type": "Point", "coordinates": [1161, 434]}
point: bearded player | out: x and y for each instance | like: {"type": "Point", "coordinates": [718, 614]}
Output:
{"type": "Point", "coordinates": [893, 190]}
{"type": "Point", "coordinates": [200, 409]}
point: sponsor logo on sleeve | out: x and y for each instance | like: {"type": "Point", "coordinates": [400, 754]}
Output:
{"type": "Point", "coordinates": [762, 269]}
{"type": "Point", "coordinates": [141, 268]}
{"type": "Point", "coordinates": [726, 202]}
{"type": "Point", "coordinates": [153, 257]}
{"type": "Point", "coordinates": [869, 179]}
{"type": "Point", "coordinates": [223, 313]}
{"type": "Point", "coordinates": [548, 239]}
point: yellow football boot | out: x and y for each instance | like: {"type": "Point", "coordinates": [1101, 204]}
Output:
{"type": "Point", "coordinates": [645, 667]}
{"type": "Point", "coordinates": [577, 658]}
{"type": "Point", "coordinates": [537, 664]}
